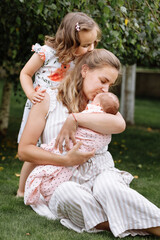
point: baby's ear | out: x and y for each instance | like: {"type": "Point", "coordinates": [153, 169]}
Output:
{"type": "Point", "coordinates": [84, 70]}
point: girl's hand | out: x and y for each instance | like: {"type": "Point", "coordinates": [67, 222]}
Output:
{"type": "Point", "coordinates": [75, 157]}
{"type": "Point", "coordinates": [36, 97]}
{"type": "Point", "coordinates": [67, 132]}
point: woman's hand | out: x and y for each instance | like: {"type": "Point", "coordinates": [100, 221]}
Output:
{"type": "Point", "coordinates": [67, 132]}
{"type": "Point", "coordinates": [76, 157]}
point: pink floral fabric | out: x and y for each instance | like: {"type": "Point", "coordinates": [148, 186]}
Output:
{"type": "Point", "coordinates": [46, 178]}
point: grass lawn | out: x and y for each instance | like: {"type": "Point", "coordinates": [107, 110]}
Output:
{"type": "Point", "coordinates": [136, 150]}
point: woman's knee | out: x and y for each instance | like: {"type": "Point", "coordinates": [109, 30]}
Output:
{"type": "Point", "coordinates": [65, 191]}
{"type": "Point", "coordinates": [104, 182]}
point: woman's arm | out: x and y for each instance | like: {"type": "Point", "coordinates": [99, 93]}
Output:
{"type": "Point", "coordinates": [103, 123]}
{"type": "Point", "coordinates": [28, 151]}
{"type": "Point", "coordinates": [34, 63]}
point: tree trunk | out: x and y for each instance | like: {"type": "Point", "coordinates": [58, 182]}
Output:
{"type": "Point", "coordinates": [128, 93]}
{"type": "Point", "coordinates": [5, 107]}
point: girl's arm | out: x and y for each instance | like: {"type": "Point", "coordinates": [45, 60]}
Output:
{"type": "Point", "coordinates": [103, 123]}
{"type": "Point", "coordinates": [28, 151]}
{"type": "Point", "coordinates": [34, 63]}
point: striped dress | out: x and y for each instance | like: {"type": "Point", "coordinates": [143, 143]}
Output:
{"type": "Point", "coordinates": [97, 191]}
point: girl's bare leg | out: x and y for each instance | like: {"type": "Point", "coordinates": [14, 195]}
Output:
{"type": "Point", "coordinates": [25, 171]}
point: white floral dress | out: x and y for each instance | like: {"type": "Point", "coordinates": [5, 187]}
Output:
{"type": "Point", "coordinates": [48, 76]}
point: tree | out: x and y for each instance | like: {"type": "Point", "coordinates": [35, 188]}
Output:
{"type": "Point", "coordinates": [24, 22]}
{"type": "Point", "coordinates": [131, 30]}
{"type": "Point", "coordinates": [16, 24]}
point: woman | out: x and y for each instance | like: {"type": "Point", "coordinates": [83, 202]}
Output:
{"type": "Point", "coordinates": [98, 196]}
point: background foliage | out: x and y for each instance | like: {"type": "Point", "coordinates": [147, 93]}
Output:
{"type": "Point", "coordinates": [130, 28]}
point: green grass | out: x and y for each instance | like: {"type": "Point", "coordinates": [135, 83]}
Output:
{"type": "Point", "coordinates": [136, 150]}
{"type": "Point", "coordinates": [147, 113]}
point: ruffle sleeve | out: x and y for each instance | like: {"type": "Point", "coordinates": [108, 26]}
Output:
{"type": "Point", "coordinates": [45, 52]}
{"type": "Point", "coordinates": [53, 99]}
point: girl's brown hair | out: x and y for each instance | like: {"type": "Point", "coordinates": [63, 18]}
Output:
{"type": "Point", "coordinates": [71, 88]}
{"type": "Point", "coordinates": [66, 39]}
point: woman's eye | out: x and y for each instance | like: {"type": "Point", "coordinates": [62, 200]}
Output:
{"type": "Point", "coordinates": [103, 81]}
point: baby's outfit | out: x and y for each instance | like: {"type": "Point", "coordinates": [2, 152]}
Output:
{"type": "Point", "coordinates": [48, 76]}
{"type": "Point", "coordinates": [45, 179]}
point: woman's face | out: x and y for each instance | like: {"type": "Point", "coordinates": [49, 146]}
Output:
{"type": "Point", "coordinates": [98, 80]}
{"type": "Point", "coordinates": [87, 41]}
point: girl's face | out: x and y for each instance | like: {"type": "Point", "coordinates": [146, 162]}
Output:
{"type": "Point", "coordinates": [97, 80]}
{"type": "Point", "coordinates": [87, 41]}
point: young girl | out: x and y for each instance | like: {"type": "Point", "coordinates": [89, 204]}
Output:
{"type": "Point", "coordinates": [76, 35]}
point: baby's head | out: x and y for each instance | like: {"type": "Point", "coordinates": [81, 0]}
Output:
{"type": "Point", "coordinates": [108, 101]}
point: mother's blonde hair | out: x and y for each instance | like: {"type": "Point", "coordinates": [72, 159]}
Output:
{"type": "Point", "coordinates": [71, 88]}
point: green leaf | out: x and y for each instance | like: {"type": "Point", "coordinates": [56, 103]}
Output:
{"type": "Point", "coordinates": [123, 9]}
{"type": "Point", "coordinates": [18, 20]}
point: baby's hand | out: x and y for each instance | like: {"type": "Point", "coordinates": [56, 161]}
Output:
{"type": "Point", "coordinates": [36, 97]}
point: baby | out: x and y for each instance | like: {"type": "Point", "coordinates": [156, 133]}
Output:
{"type": "Point", "coordinates": [45, 179]}
{"type": "Point", "coordinates": [103, 102]}
{"type": "Point", "coordinates": [108, 101]}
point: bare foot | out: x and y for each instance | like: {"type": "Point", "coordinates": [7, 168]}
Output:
{"type": "Point", "coordinates": [20, 194]}
{"type": "Point", "coordinates": [103, 226]}
{"type": "Point", "coordinates": [154, 230]}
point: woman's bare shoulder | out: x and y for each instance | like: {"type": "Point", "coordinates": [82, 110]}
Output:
{"type": "Point", "coordinates": [42, 107]}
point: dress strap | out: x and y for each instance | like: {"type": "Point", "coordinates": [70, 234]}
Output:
{"type": "Point", "coordinates": [53, 99]}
